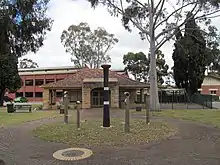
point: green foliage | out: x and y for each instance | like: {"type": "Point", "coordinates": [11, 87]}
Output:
{"type": "Point", "coordinates": [25, 23]}
{"type": "Point", "coordinates": [27, 63]}
{"type": "Point", "coordinates": [161, 67]}
{"type": "Point", "coordinates": [139, 65]}
{"type": "Point", "coordinates": [190, 57]}
{"type": "Point", "coordinates": [23, 26]}
{"type": "Point", "coordinates": [87, 47]}
{"type": "Point", "coordinates": [9, 78]}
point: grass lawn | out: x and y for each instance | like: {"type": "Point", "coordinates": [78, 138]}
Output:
{"type": "Point", "coordinates": [7, 119]}
{"type": "Point", "coordinates": [204, 116]}
{"type": "Point", "coordinates": [91, 133]}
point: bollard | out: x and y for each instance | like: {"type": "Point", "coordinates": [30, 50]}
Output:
{"type": "Point", "coordinates": [127, 115]}
{"type": "Point", "coordinates": [66, 107]}
{"type": "Point", "coordinates": [147, 111]}
{"type": "Point", "coordinates": [78, 115]}
{"type": "Point", "coordinates": [106, 113]}
{"type": "Point", "coordinates": [147, 103]}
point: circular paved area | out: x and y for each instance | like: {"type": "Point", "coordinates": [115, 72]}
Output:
{"type": "Point", "coordinates": [196, 144]}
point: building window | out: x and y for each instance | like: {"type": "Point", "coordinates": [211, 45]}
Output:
{"type": "Point", "coordinates": [49, 81]}
{"type": "Point", "coordinates": [29, 82]}
{"type": "Point", "coordinates": [39, 82]}
{"type": "Point", "coordinates": [59, 79]}
{"type": "Point", "coordinates": [28, 94]}
{"type": "Point", "coordinates": [39, 94]}
{"type": "Point", "coordinates": [19, 94]}
{"type": "Point", "coordinates": [75, 96]}
{"type": "Point", "coordinates": [213, 92]}
{"type": "Point", "coordinates": [59, 94]}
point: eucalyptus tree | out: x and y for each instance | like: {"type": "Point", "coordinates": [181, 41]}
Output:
{"type": "Point", "coordinates": [88, 47]}
{"type": "Point", "coordinates": [157, 21]}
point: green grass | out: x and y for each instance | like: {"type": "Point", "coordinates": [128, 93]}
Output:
{"type": "Point", "coordinates": [7, 119]}
{"type": "Point", "coordinates": [91, 133]}
{"type": "Point", "coordinates": [208, 116]}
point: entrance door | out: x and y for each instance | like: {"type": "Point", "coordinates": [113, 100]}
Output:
{"type": "Point", "coordinates": [97, 97]}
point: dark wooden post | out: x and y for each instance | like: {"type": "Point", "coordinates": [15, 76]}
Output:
{"type": "Point", "coordinates": [127, 115]}
{"type": "Point", "coordinates": [147, 103]}
{"type": "Point", "coordinates": [65, 107]}
{"type": "Point", "coordinates": [78, 115]}
{"type": "Point", "coordinates": [106, 113]}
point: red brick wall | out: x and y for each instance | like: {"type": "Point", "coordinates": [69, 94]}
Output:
{"type": "Point", "coordinates": [205, 89]}
{"type": "Point", "coordinates": [37, 88]}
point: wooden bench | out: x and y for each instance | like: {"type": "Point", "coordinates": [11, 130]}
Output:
{"type": "Point", "coordinates": [22, 106]}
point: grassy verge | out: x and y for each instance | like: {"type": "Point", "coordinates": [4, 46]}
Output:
{"type": "Point", "coordinates": [91, 133]}
{"type": "Point", "coordinates": [211, 117]}
{"type": "Point", "coordinates": [7, 119]}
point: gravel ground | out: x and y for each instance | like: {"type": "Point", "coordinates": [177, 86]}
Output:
{"type": "Point", "coordinates": [196, 144]}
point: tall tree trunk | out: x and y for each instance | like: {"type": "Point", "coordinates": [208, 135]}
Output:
{"type": "Point", "coordinates": [2, 92]}
{"type": "Point", "coordinates": [154, 99]}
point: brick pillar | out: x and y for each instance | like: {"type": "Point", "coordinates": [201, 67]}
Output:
{"type": "Point", "coordinates": [86, 97]}
{"type": "Point", "coordinates": [46, 98]}
{"type": "Point", "coordinates": [115, 97]}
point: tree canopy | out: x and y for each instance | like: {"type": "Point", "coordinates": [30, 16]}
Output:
{"type": "Point", "coordinates": [138, 65]}
{"type": "Point", "coordinates": [23, 26]}
{"type": "Point", "coordinates": [158, 21]}
{"type": "Point", "coordinates": [88, 47]}
{"type": "Point", "coordinates": [27, 63]}
{"type": "Point", "coordinates": [191, 57]}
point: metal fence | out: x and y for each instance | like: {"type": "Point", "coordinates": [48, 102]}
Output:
{"type": "Point", "coordinates": [179, 99]}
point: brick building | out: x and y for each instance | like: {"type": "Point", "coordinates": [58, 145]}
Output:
{"type": "Point", "coordinates": [211, 85]}
{"type": "Point", "coordinates": [86, 85]}
{"type": "Point", "coordinates": [33, 79]}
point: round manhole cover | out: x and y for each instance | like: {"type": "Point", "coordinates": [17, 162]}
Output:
{"type": "Point", "coordinates": [72, 154]}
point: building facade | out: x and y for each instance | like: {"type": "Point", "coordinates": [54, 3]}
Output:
{"type": "Point", "coordinates": [33, 79]}
{"type": "Point", "coordinates": [211, 85]}
{"type": "Point", "coordinates": [86, 85]}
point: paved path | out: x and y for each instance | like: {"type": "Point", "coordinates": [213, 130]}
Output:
{"type": "Point", "coordinates": [196, 144]}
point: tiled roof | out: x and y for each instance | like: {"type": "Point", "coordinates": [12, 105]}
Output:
{"type": "Point", "coordinates": [76, 80]}
{"type": "Point", "coordinates": [214, 75]}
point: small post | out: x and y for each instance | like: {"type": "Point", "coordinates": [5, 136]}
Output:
{"type": "Point", "coordinates": [66, 107]}
{"type": "Point", "coordinates": [147, 111]}
{"type": "Point", "coordinates": [172, 99]}
{"type": "Point", "coordinates": [78, 115]}
{"type": "Point", "coordinates": [127, 115]}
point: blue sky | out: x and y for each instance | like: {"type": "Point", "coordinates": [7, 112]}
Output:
{"type": "Point", "coordinates": [68, 12]}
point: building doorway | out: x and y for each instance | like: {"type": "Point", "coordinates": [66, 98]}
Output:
{"type": "Point", "coordinates": [97, 97]}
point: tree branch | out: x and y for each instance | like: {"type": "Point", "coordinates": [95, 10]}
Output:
{"type": "Point", "coordinates": [173, 28]}
{"type": "Point", "coordinates": [121, 11]}
{"type": "Point", "coordinates": [158, 13]}
{"type": "Point", "coordinates": [168, 17]}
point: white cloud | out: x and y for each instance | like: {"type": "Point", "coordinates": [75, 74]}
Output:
{"type": "Point", "coordinates": [68, 12]}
